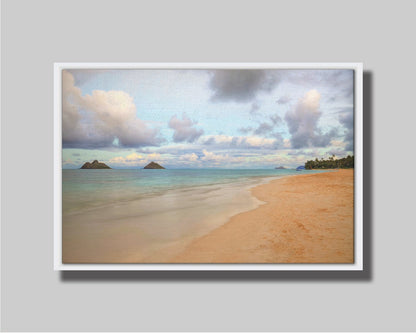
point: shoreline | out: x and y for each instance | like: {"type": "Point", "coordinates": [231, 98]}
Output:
{"type": "Point", "coordinates": [72, 207]}
{"type": "Point", "coordinates": [155, 228]}
{"type": "Point", "coordinates": [305, 219]}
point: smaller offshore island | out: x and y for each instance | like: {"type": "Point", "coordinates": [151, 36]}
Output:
{"type": "Point", "coordinates": [153, 165]}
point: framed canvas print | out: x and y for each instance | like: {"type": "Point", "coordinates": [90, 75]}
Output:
{"type": "Point", "coordinates": [208, 166]}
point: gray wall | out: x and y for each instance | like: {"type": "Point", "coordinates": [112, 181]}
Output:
{"type": "Point", "coordinates": [37, 33]}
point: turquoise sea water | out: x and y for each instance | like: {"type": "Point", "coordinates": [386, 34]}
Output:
{"type": "Point", "coordinates": [83, 189]}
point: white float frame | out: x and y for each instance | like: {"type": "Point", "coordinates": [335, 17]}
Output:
{"type": "Point", "coordinates": [358, 170]}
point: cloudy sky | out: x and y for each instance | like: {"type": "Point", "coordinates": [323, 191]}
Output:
{"type": "Point", "coordinates": [206, 118]}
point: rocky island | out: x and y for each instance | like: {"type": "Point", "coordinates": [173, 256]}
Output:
{"type": "Point", "coordinates": [280, 168]}
{"type": "Point", "coordinates": [153, 165]}
{"type": "Point", "coordinates": [95, 165]}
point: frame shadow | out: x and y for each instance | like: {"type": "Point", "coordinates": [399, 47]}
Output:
{"type": "Point", "coordinates": [245, 276]}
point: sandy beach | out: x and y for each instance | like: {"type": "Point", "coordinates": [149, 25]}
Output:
{"type": "Point", "coordinates": [305, 219]}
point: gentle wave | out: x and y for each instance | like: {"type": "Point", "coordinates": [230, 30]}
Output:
{"type": "Point", "coordinates": [86, 189]}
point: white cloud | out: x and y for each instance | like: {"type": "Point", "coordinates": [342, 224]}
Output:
{"type": "Point", "coordinates": [102, 119]}
{"type": "Point", "coordinates": [189, 157]}
{"type": "Point", "coordinates": [136, 160]}
{"type": "Point", "coordinates": [286, 143]}
{"type": "Point", "coordinates": [210, 156]}
{"type": "Point", "coordinates": [338, 143]}
{"type": "Point", "coordinates": [239, 141]}
{"type": "Point", "coordinates": [184, 130]}
{"type": "Point", "coordinates": [255, 141]}
{"type": "Point", "coordinates": [219, 158]}
{"type": "Point", "coordinates": [303, 120]}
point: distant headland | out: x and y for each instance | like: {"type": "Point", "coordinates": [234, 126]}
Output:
{"type": "Point", "coordinates": [95, 165]}
{"type": "Point", "coordinates": [153, 165]}
{"type": "Point", "coordinates": [280, 168]}
{"type": "Point", "coordinates": [331, 163]}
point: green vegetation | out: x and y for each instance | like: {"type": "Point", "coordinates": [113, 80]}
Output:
{"type": "Point", "coordinates": [331, 163]}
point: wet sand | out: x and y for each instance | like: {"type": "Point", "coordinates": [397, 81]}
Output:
{"type": "Point", "coordinates": [152, 229]}
{"type": "Point", "coordinates": [306, 219]}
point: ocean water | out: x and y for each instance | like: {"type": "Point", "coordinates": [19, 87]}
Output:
{"type": "Point", "coordinates": [83, 189]}
{"type": "Point", "coordinates": [130, 216]}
